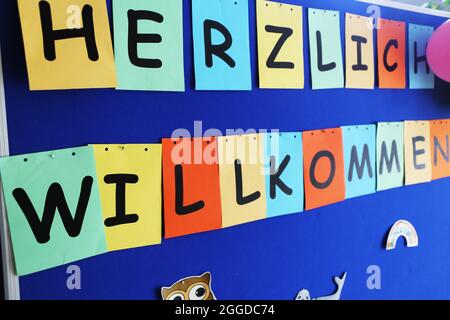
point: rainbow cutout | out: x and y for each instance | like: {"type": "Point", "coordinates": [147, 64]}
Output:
{"type": "Point", "coordinates": [402, 228]}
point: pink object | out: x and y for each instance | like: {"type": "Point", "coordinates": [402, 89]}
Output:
{"type": "Point", "coordinates": [438, 52]}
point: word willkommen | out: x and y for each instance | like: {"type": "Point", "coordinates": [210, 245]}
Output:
{"type": "Point", "coordinates": [109, 197]}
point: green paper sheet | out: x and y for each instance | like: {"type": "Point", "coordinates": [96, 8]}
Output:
{"type": "Point", "coordinates": [35, 173]}
{"type": "Point", "coordinates": [132, 75]}
{"type": "Point", "coordinates": [390, 163]}
{"type": "Point", "coordinates": [327, 69]}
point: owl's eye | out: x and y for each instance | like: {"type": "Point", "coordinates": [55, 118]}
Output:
{"type": "Point", "coordinates": [176, 296]}
{"type": "Point", "coordinates": [198, 292]}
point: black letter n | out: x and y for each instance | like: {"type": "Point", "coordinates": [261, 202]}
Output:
{"type": "Point", "coordinates": [55, 200]}
{"type": "Point", "coordinates": [50, 36]}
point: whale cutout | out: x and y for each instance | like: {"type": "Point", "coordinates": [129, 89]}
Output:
{"type": "Point", "coordinates": [405, 229]}
{"type": "Point", "coordinates": [304, 294]}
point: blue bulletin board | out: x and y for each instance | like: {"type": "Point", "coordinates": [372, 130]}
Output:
{"type": "Point", "coordinates": [269, 259]}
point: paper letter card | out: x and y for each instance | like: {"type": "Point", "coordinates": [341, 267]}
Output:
{"type": "Point", "coordinates": [323, 167]}
{"type": "Point", "coordinates": [420, 74]}
{"type": "Point", "coordinates": [325, 49]}
{"type": "Point", "coordinates": [391, 54]}
{"type": "Point", "coordinates": [191, 186]}
{"type": "Point", "coordinates": [242, 180]}
{"type": "Point", "coordinates": [221, 45]}
{"type": "Point", "coordinates": [53, 207]}
{"type": "Point", "coordinates": [284, 173]}
{"type": "Point", "coordinates": [390, 163]}
{"type": "Point", "coordinates": [67, 49]}
{"type": "Point", "coordinates": [155, 63]}
{"type": "Point", "coordinates": [440, 153]}
{"type": "Point", "coordinates": [130, 190]}
{"type": "Point", "coordinates": [280, 45]}
{"type": "Point", "coordinates": [359, 160]}
{"type": "Point", "coordinates": [417, 152]}
{"type": "Point", "coordinates": [359, 52]}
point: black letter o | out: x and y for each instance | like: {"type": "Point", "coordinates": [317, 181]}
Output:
{"type": "Point", "coordinates": [312, 169]}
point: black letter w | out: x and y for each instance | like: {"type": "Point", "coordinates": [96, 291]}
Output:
{"type": "Point", "coordinates": [55, 200]}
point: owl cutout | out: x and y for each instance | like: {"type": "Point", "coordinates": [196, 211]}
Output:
{"type": "Point", "coordinates": [191, 288]}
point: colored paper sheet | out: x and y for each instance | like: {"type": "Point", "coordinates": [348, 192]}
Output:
{"type": "Point", "coordinates": [439, 148]}
{"type": "Point", "coordinates": [284, 173]}
{"type": "Point", "coordinates": [359, 52]}
{"type": "Point", "coordinates": [191, 186]}
{"type": "Point", "coordinates": [359, 160]}
{"type": "Point", "coordinates": [222, 59]}
{"type": "Point", "coordinates": [420, 74]}
{"type": "Point", "coordinates": [34, 185]}
{"type": "Point", "coordinates": [417, 152]}
{"type": "Point", "coordinates": [390, 163]}
{"type": "Point", "coordinates": [242, 180]}
{"type": "Point", "coordinates": [130, 190]}
{"type": "Point", "coordinates": [86, 61]}
{"type": "Point", "coordinates": [325, 49]}
{"type": "Point", "coordinates": [323, 167]}
{"type": "Point", "coordinates": [280, 45]}
{"type": "Point", "coordinates": [391, 54]}
{"type": "Point", "coordinates": [149, 64]}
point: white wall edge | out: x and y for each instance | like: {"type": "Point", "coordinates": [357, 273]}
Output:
{"type": "Point", "coordinates": [408, 7]}
{"type": "Point", "coordinates": [10, 279]}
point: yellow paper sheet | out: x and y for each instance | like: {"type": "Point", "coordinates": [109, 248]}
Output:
{"type": "Point", "coordinates": [72, 68]}
{"type": "Point", "coordinates": [359, 26]}
{"type": "Point", "coordinates": [417, 152]}
{"type": "Point", "coordinates": [249, 150]}
{"type": "Point", "coordinates": [142, 198]}
{"type": "Point", "coordinates": [274, 14]}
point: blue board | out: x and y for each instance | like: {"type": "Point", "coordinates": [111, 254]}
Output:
{"type": "Point", "coordinates": [269, 259]}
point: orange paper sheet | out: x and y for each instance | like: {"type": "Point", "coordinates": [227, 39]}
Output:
{"type": "Point", "coordinates": [359, 54]}
{"type": "Point", "coordinates": [194, 163]}
{"type": "Point", "coordinates": [391, 54]}
{"type": "Point", "coordinates": [417, 152]}
{"type": "Point", "coordinates": [439, 147]}
{"type": "Point", "coordinates": [323, 167]}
